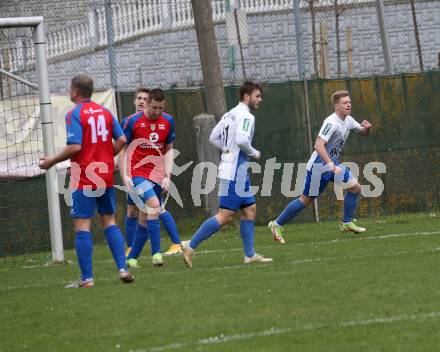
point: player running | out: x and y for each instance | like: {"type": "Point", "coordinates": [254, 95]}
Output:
{"type": "Point", "coordinates": [150, 135]}
{"type": "Point", "coordinates": [91, 129]}
{"type": "Point", "coordinates": [323, 167]}
{"type": "Point", "coordinates": [131, 219]}
{"type": "Point", "coordinates": [233, 136]}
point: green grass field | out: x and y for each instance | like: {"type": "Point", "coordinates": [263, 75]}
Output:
{"type": "Point", "coordinates": [325, 291]}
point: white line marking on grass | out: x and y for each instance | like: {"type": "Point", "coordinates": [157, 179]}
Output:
{"type": "Point", "coordinates": [221, 339]}
{"type": "Point", "coordinates": [247, 266]}
{"type": "Point", "coordinates": [365, 256]}
{"type": "Point", "coordinates": [216, 251]}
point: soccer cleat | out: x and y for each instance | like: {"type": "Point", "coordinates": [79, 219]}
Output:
{"type": "Point", "coordinates": [277, 232]}
{"type": "Point", "coordinates": [157, 259]}
{"type": "Point", "coordinates": [127, 251]}
{"type": "Point", "coordinates": [174, 249]}
{"type": "Point", "coordinates": [188, 254]}
{"type": "Point", "coordinates": [126, 276]}
{"type": "Point", "coordinates": [351, 227]}
{"type": "Point", "coordinates": [132, 263]}
{"type": "Point", "coordinates": [257, 258]}
{"type": "Point", "coordinates": [87, 283]}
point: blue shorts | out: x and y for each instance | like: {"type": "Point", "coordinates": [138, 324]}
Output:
{"type": "Point", "coordinates": [145, 189]}
{"type": "Point", "coordinates": [233, 196]}
{"type": "Point", "coordinates": [317, 179]}
{"type": "Point", "coordinates": [85, 202]}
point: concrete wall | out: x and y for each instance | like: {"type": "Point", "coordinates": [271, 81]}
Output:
{"type": "Point", "coordinates": [170, 57]}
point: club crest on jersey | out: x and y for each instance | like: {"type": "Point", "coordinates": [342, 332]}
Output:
{"type": "Point", "coordinates": [154, 137]}
{"type": "Point", "coordinates": [153, 126]}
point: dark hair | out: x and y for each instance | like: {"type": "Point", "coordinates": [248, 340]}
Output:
{"type": "Point", "coordinates": [248, 87]}
{"type": "Point", "coordinates": [156, 94]}
{"type": "Point", "coordinates": [338, 95]}
{"type": "Point", "coordinates": [84, 84]}
{"type": "Point", "coordinates": [141, 90]}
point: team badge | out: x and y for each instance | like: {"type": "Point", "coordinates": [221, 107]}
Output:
{"type": "Point", "coordinates": [153, 126]}
{"type": "Point", "coordinates": [154, 137]}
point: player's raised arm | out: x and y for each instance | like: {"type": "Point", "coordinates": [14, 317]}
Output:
{"type": "Point", "coordinates": [366, 128]}
{"type": "Point", "coordinates": [362, 128]}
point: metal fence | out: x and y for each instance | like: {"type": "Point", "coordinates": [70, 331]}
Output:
{"type": "Point", "coordinates": [131, 42]}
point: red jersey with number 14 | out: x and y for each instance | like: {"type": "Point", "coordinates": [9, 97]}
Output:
{"type": "Point", "coordinates": [94, 127]}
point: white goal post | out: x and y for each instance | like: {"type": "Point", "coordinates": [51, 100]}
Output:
{"type": "Point", "coordinates": [39, 44]}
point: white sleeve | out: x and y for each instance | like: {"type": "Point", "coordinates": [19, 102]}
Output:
{"type": "Point", "coordinates": [216, 136]}
{"type": "Point", "coordinates": [327, 129]}
{"type": "Point", "coordinates": [245, 126]}
{"type": "Point", "coordinates": [354, 125]}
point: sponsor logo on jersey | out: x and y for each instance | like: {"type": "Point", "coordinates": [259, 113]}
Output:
{"type": "Point", "coordinates": [90, 111]}
{"type": "Point", "coordinates": [161, 127]}
{"type": "Point", "coordinates": [246, 125]}
{"type": "Point", "coordinates": [154, 137]}
{"type": "Point", "coordinates": [326, 129]}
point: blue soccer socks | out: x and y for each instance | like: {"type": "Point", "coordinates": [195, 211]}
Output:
{"type": "Point", "coordinates": [154, 232]}
{"type": "Point", "coordinates": [350, 203]}
{"type": "Point", "coordinates": [170, 226]}
{"type": "Point", "coordinates": [293, 209]}
{"type": "Point", "coordinates": [140, 237]}
{"type": "Point", "coordinates": [206, 230]}
{"type": "Point", "coordinates": [115, 241]}
{"type": "Point", "coordinates": [247, 236]}
{"type": "Point", "coordinates": [84, 252]}
{"type": "Point", "coordinates": [130, 229]}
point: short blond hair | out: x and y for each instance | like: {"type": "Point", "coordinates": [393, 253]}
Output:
{"type": "Point", "coordinates": [338, 95]}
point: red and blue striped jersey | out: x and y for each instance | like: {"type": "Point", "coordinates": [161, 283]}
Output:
{"type": "Point", "coordinates": [94, 127]}
{"type": "Point", "coordinates": [147, 139]}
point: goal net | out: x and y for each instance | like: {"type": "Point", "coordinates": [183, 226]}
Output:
{"type": "Point", "coordinates": [28, 200]}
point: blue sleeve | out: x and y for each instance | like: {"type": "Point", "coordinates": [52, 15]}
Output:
{"type": "Point", "coordinates": [73, 127]}
{"type": "Point", "coordinates": [117, 130]}
{"type": "Point", "coordinates": [127, 128]}
{"type": "Point", "coordinates": [171, 134]}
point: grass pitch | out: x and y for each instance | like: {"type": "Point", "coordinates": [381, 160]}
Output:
{"type": "Point", "coordinates": [325, 291]}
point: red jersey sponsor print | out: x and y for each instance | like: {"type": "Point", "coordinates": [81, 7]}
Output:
{"type": "Point", "coordinates": [147, 139]}
{"type": "Point", "coordinates": [94, 127]}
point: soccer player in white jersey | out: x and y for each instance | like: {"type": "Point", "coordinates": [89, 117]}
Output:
{"type": "Point", "coordinates": [233, 136]}
{"type": "Point", "coordinates": [323, 167]}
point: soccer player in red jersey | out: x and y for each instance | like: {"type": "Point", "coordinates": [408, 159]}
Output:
{"type": "Point", "coordinates": [140, 102]}
{"type": "Point", "coordinates": [150, 136]}
{"type": "Point", "coordinates": [91, 129]}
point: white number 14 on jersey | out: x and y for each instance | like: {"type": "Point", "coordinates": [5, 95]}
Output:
{"type": "Point", "coordinates": [98, 129]}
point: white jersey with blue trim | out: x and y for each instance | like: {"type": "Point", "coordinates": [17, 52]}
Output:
{"type": "Point", "coordinates": [233, 135]}
{"type": "Point", "coordinates": [335, 132]}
